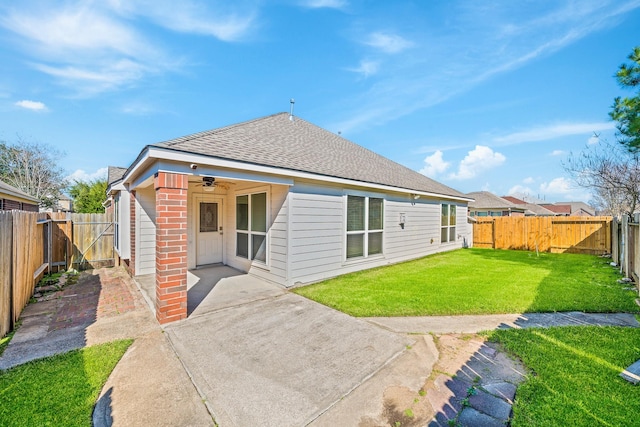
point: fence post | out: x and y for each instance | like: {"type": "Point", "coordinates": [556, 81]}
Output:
{"type": "Point", "coordinates": [6, 278]}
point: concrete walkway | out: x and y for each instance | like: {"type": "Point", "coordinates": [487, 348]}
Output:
{"type": "Point", "coordinates": [477, 323]}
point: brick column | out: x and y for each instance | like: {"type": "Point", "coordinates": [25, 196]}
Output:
{"type": "Point", "coordinates": [132, 234]}
{"type": "Point", "coordinates": [171, 246]}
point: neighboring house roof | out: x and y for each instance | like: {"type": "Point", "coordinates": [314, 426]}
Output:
{"type": "Point", "coordinates": [578, 206]}
{"type": "Point", "coordinates": [298, 145]}
{"type": "Point", "coordinates": [487, 200]}
{"type": "Point", "coordinates": [558, 209]}
{"type": "Point", "coordinates": [514, 200]}
{"type": "Point", "coordinates": [115, 174]}
{"type": "Point", "coordinates": [538, 210]}
{"type": "Point", "coordinates": [532, 208]}
{"type": "Point", "coordinates": [10, 190]}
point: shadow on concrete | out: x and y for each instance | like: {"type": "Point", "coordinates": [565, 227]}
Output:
{"type": "Point", "coordinates": [201, 282]}
{"type": "Point", "coordinates": [480, 391]}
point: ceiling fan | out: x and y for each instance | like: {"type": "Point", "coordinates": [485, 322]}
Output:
{"type": "Point", "coordinates": [209, 184]}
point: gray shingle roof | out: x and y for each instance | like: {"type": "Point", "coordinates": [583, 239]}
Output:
{"type": "Point", "coordinates": [299, 145]}
{"type": "Point", "coordinates": [115, 174]}
{"type": "Point", "coordinates": [16, 192]}
{"type": "Point", "coordinates": [487, 200]}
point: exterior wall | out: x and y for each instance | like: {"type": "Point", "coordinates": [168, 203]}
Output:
{"type": "Point", "coordinates": [10, 204]}
{"type": "Point", "coordinates": [145, 233]}
{"type": "Point", "coordinates": [276, 270]}
{"type": "Point", "coordinates": [119, 209]}
{"type": "Point", "coordinates": [317, 231]}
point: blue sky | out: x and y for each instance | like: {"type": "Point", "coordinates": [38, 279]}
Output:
{"type": "Point", "coordinates": [480, 95]}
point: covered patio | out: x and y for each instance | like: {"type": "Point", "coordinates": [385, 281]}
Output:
{"type": "Point", "coordinates": [214, 288]}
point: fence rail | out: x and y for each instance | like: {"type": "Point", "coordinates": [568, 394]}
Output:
{"type": "Point", "coordinates": [34, 243]}
{"type": "Point", "coordinates": [590, 235]}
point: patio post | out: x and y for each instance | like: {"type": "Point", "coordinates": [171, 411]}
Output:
{"type": "Point", "coordinates": [171, 246]}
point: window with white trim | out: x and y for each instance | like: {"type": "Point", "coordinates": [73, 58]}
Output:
{"type": "Point", "coordinates": [251, 226]}
{"type": "Point", "coordinates": [365, 218]}
{"type": "Point", "coordinates": [448, 223]}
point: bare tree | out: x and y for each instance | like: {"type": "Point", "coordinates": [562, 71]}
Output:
{"type": "Point", "coordinates": [612, 173]}
{"type": "Point", "coordinates": [33, 168]}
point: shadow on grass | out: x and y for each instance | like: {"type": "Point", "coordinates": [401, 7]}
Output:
{"type": "Point", "coordinates": [573, 281]}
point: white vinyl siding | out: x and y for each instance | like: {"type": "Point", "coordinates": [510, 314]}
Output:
{"type": "Point", "coordinates": [145, 231]}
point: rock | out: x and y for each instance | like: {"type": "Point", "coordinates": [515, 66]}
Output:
{"type": "Point", "coordinates": [47, 288]}
{"type": "Point", "coordinates": [613, 264]}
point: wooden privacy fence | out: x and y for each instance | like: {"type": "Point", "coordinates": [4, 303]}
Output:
{"type": "Point", "coordinates": [626, 246]}
{"type": "Point", "coordinates": [590, 235]}
{"type": "Point", "coordinates": [34, 243]}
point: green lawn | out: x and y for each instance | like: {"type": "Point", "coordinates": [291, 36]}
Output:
{"type": "Point", "coordinates": [59, 390]}
{"type": "Point", "coordinates": [574, 378]}
{"type": "Point", "coordinates": [478, 281]}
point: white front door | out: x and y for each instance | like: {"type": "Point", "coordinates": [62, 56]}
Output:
{"type": "Point", "coordinates": [208, 230]}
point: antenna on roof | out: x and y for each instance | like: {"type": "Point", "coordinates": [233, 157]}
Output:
{"type": "Point", "coordinates": [292, 101]}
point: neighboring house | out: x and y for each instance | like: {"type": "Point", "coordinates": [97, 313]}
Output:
{"type": "Point", "coordinates": [488, 204]}
{"type": "Point", "coordinates": [279, 198]}
{"type": "Point", "coordinates": [13, 198]}
{"type": "Point", "coordinates": [531, 208]}
{"type": "Point", "coordinates": [580, 209]}
{"type": "Point", "coordinates": [64, 204]}
{"type": "Point", "coordinates": [558, 210]}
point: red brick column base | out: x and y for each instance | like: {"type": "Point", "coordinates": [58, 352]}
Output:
{"type": "Point", "coordinates": [171, 246]}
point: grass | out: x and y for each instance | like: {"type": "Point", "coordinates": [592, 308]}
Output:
{"type": "Point", "coordinates": [59, 390]}
{"type": "Point", "coordinates": [574, 376]}
{"type": "Point", "coordinates": [478, 281]}
{"type": "Point", "coordinates": [4, 342]}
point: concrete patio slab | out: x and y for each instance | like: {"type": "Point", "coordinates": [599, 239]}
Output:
{"type": "Point", "coordinates": [278, 361]}
{"type": "Point", "coordinates": [213, 288]}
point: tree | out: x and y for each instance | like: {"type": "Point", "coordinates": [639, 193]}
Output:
{"type": "Point", "coordinates": [626, 111]}
{"type": "Point", "coordinates": [33, 168]}
{"type": "Point", "coordinates": [88, 196]}
{"type": "Point", "coordinates": [612, 172]}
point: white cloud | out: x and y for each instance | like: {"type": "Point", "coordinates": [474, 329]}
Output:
{"type": "Point", "coordinates": [366, 68]}
{"type": "Point", "coordinates": [434, 165]}
{"type": "Point", "coordinates": [228, 23]}
{"type": "Point", "coordinates": [528, 180]}
{"type": "Point", "coordinates": [519, 190]}
{"type": "Point", "coordinates": [557, 152]}
{"type": "Point", "coordinates": [81, 175]}
{"type": "Point", "coordinates": [445, 64]}
{"type": "Point", "coordinates": [559, 185]}
{"type": "Point", "coordinates": [138, 109]}
{"type": "Point", "coordinates": [317, 4]}
{"type": "Point", "coordinates": [546, 133]}
{"type": "Point", "coordinates": [32, 105]}
{"type": "Point", "coordinates": [478, 160]}
{"type": "Point", "coordinates": [94, 47]}
{"type": "Point", "coordinates": [388, 43]}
